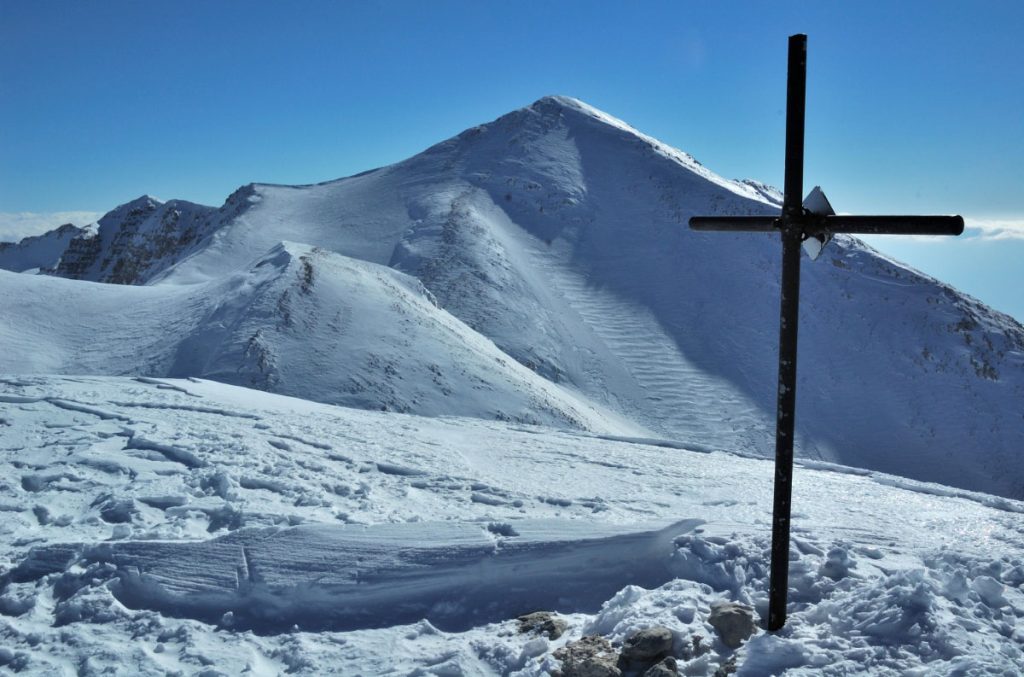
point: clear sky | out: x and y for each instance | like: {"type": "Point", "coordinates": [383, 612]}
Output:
{"type": "Point", "coordinates": [913, 107]}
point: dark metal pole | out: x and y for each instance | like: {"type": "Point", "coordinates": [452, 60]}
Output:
{"type": "Point", "coordinates": [890, 225]}
{"type": "Point", "coordinates": [739, 224]}
{"type": "Point", "coordinates": [796, 87]}
{"type": "Point", "coordinates": [792, 211]}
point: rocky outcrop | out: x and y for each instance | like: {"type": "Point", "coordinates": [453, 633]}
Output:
{"type": "Point", "coordinates": [542, 623]}
{"type": "Point", "coordinates": [135, 241]}
{"type": "Point", "coordinates": [590, 656]}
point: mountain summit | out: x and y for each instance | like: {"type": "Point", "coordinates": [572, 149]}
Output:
{"type": "Point", "coordinates": [539, 268]}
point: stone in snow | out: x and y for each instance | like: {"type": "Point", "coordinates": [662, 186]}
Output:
{"type": "Point", "coordinates": [733, 622]}
{"type": "Point", "coordinates": [543, 623]}
{"type": "Point", "coordinates": [648, 644]}
{"type": "Point", "coordinates": [590, 656]}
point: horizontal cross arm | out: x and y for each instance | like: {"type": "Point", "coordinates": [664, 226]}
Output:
{"type": "Point", "coordinates": [765, 224]}
{"type": "Point", "coordinates": [812, 224]}
{"type": "Point", "coordinates": [886, 225]}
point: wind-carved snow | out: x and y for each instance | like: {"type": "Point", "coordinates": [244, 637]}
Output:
{"type": "Point", "coordinates": [153, 521]}
{"type": "Point", "coordinates": [456, 575]}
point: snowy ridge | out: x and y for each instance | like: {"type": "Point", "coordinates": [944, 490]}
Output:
{"type": "Point", "coordinates": [39, 251]}
{"type": "Point", "coordinates": [284, 325]}
{"type": "Point", "coordinates": [272, 493]}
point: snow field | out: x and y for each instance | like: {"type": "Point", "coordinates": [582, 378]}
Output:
{"type": "Point", "coordinates": [116, 488]}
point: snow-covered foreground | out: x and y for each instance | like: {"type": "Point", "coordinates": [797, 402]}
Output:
{"type": "Point", "coordinates": [190, 527]}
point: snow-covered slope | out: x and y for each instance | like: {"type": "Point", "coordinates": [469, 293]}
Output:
{"type": "Point", "coordinates": [559, 233]}
{"type": "Point", "coordinates": [38, 251]}
{"type": "Point", "coordinates": [150, 524]}
{"type": "Point", "coordinates": [300, 321]}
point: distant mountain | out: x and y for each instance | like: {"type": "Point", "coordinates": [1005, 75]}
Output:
{"type": "Point", "coordinates": [559, 233]}
{"type": "Point", "coordinates": [39, 252]}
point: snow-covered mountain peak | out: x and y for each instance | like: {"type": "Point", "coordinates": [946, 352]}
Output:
{"type": "Point", "coordinates": [577, 121]}
{"type": "Point", "coordinates": [557, 237]}
{"type": "Point", "coordinates": [571, 105]}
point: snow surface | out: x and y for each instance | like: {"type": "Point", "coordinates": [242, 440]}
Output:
{"type": "Point", "coordinates": [172, 526]}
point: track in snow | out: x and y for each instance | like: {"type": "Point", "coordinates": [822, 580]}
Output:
{"type": "Point", "coordinates": [666, 392]}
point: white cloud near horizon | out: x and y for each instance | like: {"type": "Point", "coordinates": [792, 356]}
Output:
{"type": "Point", "coordinates": [994, 229]}
{"type": "Point", "coordinates": [15, 226]}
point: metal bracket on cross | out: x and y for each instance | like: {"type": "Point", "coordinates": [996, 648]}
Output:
{"type": "Point", "coordinates": [816, 203]}
{"type": "Point", "coordinates": [810, 224]}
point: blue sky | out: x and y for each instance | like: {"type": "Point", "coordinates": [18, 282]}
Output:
{"type": "Point", "coordinates": [913, 107]}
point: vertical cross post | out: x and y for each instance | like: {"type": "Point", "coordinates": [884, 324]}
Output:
{"type": "Point", "coordinates": [795, 224]}
{"type": "Point", "coordinates": [792, 237]}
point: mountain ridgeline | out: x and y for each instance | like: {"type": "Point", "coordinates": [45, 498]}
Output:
{"type": "Point", "coordinates": [536, 269]}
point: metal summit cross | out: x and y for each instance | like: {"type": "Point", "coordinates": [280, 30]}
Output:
{"type": "Point", "coordinates": [809, 223]}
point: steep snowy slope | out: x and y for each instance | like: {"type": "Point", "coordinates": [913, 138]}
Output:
{"type": "Point", "coordinates": [149, 525]}
{"type": "Point", "coordinates": [300, 321]}
{"type": "Point", "coordinates": [560, 233]}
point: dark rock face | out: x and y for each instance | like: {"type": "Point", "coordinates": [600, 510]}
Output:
{"type": "Point", "coordinates": [80, 255]}
{"type": "Point", "coordinates": [136, 241]}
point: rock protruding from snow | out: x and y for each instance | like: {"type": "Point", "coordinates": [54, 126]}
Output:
{"type": "Point", "coordinates": [590, 656]}
{"type": "Point", "coordinates": [733, 622]}
{"type": "Point", "coordinates": [543, 623]}
{"type": "Point", "coordinates": [136, 241]}
{"type": "Point", "coordinates": [647, 645]}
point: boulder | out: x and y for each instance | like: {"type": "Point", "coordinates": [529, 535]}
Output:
{"type": "Point", "coordinates": [733, 622]}
{"type": "Point", "coordinates": [647, 645]}
{"type": "Point", "coordinates": [590, 656]}
{"type": "Point", "coordinates": [542, 623]}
